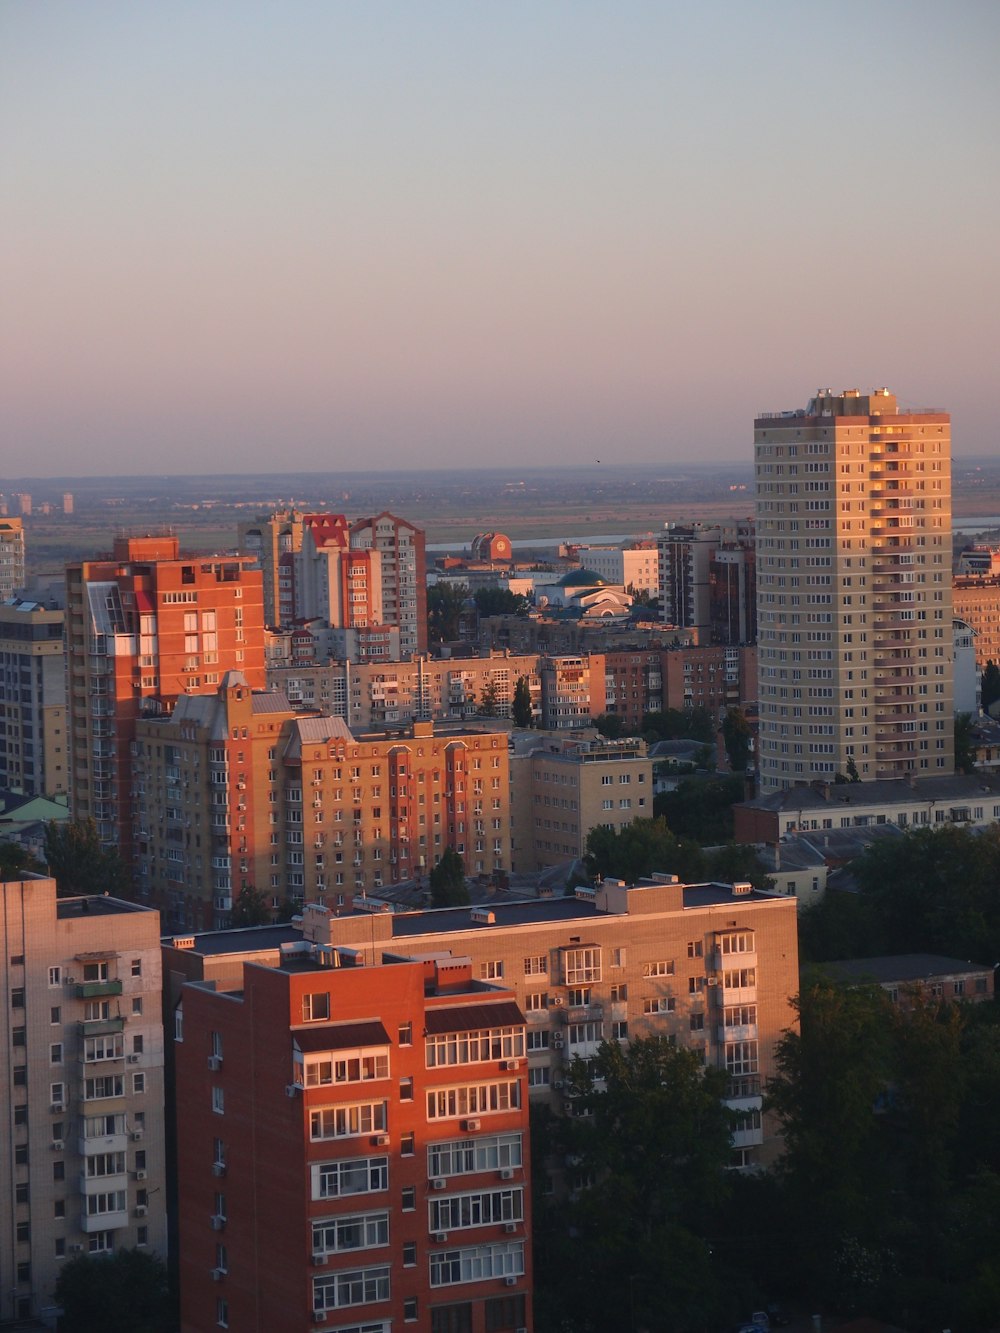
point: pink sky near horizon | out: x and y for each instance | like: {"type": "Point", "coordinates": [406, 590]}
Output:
{"type": "Point", "coordinates": [370, 235]}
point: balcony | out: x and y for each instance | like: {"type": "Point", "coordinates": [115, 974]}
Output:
{"type": "Point", "coordinates": [94, 990]}
{"type": "Point", "coordinates": [100, 1027]}
{"type": "Point", "coordinates": [104, 1221]}
{"type": "Point", "coordinates": [748, 1138]}
{"type": "Point", "coordinates": [738, 1032]}
{"type": "Point", "coordinates": [90, 1147]}
{"type": "Point", "coordinates": [102, 1184]}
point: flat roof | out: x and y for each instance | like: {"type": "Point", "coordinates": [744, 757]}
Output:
{"type": "Point", "coordinates": [903, 967]}
{"type": "Point", "coordinates": [96, 905]}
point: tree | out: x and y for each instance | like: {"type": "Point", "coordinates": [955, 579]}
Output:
{"type": "Point", "coordinates": [990, 686]}
{"type": "Point", "coordinates": [610, 725]}
{"type": "Point", "coordinates": [78, 862]}
{"type": "Point", "coordinates": [447, 881]}
{"type": "Point", "coordinates": [641, 848]}
{"type": "Point", "coordinates": [965, 749]}
{"type": "Point", "coordinates": [646, 1151]}
{"type": "Point", "coordinates": [445, 602]}
{"type": "Point", "coordinates": [521, 707]}
{"type": "Point", "coordinates": [251, 908]}
{"type": "Point", "coordinates": [737, 736]}
{"type": "Point", "coordinates": [701, 809]}
{"type": "Point", "coordinates": [852, 770]}
{"type": "Point", "coordinates": [126, 1292]}
{"type": "Point", "coordinates": [695, 724]}
{"type": "Point", "coordinates": [501, 602]}
{"type": "Point", "coordinates": [14, 861]}
{"type": "Point", "coordinates": [489, 699]}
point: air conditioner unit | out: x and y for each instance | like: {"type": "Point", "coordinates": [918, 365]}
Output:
{"type": "Point", "coordinates": [74, 1249]}
{"type": "Point", "coordinates": [58, 1107]}
{"type": "Point", "coordinates": [137, 1134]}
{"type": "Point", "coordinates": [509, 1064]}
{"type": "Point", "coordinates": [507, 1173]}
{"type": "Point", "coordinates": [510, 1280]}
{"type": "Point", "coordinates": [218, 1274]}
{"type": "Point", "coordinates": [319, 1316]}
{"type": "Point", "coordinates": [57, 1145]}
{"type": "Point", "coordinates": [380, 1140]}
{"type": "Point", "coordinates": [470, 1125]}
{"type": "Point", "coordinates": [558, 1042]}
{"type": "Point", "coordinates": [510, 1226]}
{"type": "Point", "coordinates": [140, 1175]}
{"type": "Point", "coordinates": [140, 1210]}
{"type": "Point", "coordinates": [291, 1089]}
{"type": "Point", "coordinates": [218, 1221]}
{"type": "Point", "coordinates": [320, 1260]}
{"type": "Point", "coordinates": [439, 1184]}
{"type": "Point", "coordinates": [440, 1237]}
{"type": "Point", "coordinates": [218, 1168]}
{"type": "Point", "coordinates": [558, 1084]}
{"type": "Point", "coordinates": [557, 1000]}
{"type": "Point", "coordinates": [215, 1062]}
{"type": "Point", "coordinates": [133, 1059]}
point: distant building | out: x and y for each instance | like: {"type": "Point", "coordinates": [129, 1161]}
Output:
{"type": "Point", "coordinates": [355, 1147]}
{"type": "Point", "coordinates": [925, 976]}
{"type": "Point", "coordinates": [707, 580]}
{"type": "Point", "coordinates": [11, 557]}
{"type": "Point", "coordinates": [24, 504]}
{"type": "Point", "coordinates": [913, 803]}
{"type": "Point", "coordinates": [854, 590]}
{"type": "Point", "coordinates": [401, 547]}
{"type": "Point", "coordinates": [492, 548]}
{"type": "Point", "coordinates": [34, 728]}
{"type": "Point", "coordinates": [81, 1078]}
{"type": "Point", "coordinates": [561, 791]}
{"type": "Point", "coordinates": [67, 502]}
{"type": "Point", "coordinates": [968, 678]}
{"type": "Point", "coordinates": [144, 627]}
{"type": "Point", "coordinates": [976, 600]}
{"type": "Point", "coordinates": [272, 540]}
{"type": "Point", "coordinates": [979, 561]}
{"type": "Point", "coordinates": [635, 566]}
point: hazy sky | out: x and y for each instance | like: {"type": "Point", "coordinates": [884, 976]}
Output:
{"type": "Point", "coordinates": [237, 236]}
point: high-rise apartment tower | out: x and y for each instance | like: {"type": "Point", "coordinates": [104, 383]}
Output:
{"type": "Point", "coordinates": [854, 590]}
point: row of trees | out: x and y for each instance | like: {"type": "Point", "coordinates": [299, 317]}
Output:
{"type": "Point", "coordinates": [648, 845]}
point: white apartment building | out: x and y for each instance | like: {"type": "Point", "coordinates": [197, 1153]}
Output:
{"type": "Point", "coordinates": [854, 590]}
{"type": "Point", "coordinates": [81, 1076]}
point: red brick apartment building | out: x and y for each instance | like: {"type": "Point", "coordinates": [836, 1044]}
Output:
{"type": "Point", "coordinates": [354, 1149]}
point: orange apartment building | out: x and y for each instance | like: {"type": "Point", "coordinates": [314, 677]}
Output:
{"type": "Point", "coordinates": [355, 1148]}
{"type": "Point", "coordinates": [976, 599]}
{"type": "Point", "coordinates": [144, 628]}
{"type": "Point", "coordinates": [238, 790]}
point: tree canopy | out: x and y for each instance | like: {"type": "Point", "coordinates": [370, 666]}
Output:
{"type": "Point", "coordinates": [673, 724]}
{"type": "Point", "coordinates": [701, 809]}
{"type": "Point", "coordinates": [990, 686]}
{"type": "Point", "coordinates": [79, 864]}
{"type": "Point", "coordinates": [251, 908]}
{"type": "Point", "coordinates": [737, 737]}
{"type": "Point", "coordinates": [501, 602]}
{"type": "Point", "coordinates": [521, 705]}
{"type": "Point", "coordinates": [126, 1292]}
{"type": "Point", "coordinates": [447, 881]}
{"type": "Point", "coordinates": [445, 602]}
{"type": "Point", "coordinates": [647, 846]}
{"type": "Point", "coordinates": [645, 1145]}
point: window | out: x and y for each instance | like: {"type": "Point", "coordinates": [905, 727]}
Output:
{"type": "Point", "coordinates": [408, 1199]}
{"type": "Point", "coordinates": [697, 1022]}
{"type": "Point", "coordinates": [741, 1057]}
{"type": "Point", "coordinates": [473, 1264]}
{"type": "Point", "coordinates": [138, 1083]}
{"type": "Point", "coordinates": [406, 1089]}
{"type": "Point", "coordinates": [409, 1254]}
{"type": "Point", "coordinates": [405, 1036]}
{"type": "Point", "coordinates": [358, 1175]}
{"type": "Point", "coordinates": [359, 1287]}
{"type": "Point", "coordinates": [359, 1066]}
{"type": "Point", "coordinates": [537, 965]}
{"type": "Point", "coordinates": [659, 1004]}
{"type": "Point", "coordinates": [488, 1152]}
{"type": "Point", "coordinates": [55, 1052]}
{"type": "Point", "coordinates": [505, 1312]}
{"type": "Point", "coordinates": [737, 941]}
{"type": "Point", "coordinates": [222, 1312]}
{"type": "Point", "coordinates": [619, 992]}
{"type": "Point", "coordinates": [473, 1099]}
{"type": "Point", "coordinates": [55, 1014]}
{"type": "Point", "coordinates": [581, 965]}
{"type": "Point", "coordinates": [219, 1101]}
{"type": "Point", "coordinates": [696, 949]}
{"type": "Point", "coordinates": [55, 976]}
{"type": "Point", "coordinates": [617, 957]}
{"type": "Point", "coordinates": [487, 1044]}
{"type": "Point", "coordinates": [352, 1231]}
{"type": "Point", "coordinates": [316, 1007]}
{"type": "Point", "coordinates": [536, 1002]}
{"type": "Point", "coordinates": [451, 1319]}
{"type": "Point", "coordinates": [663, 968]}
{"type": "Point", "coordinates": [539, 1077]}
{"type": "Point", "coordinates": [619, 1030]}
{"type": "Point", "coordinates": [343, 1122]}
{"type": "Point", "coordinates": [538, 1040]}
{"type": "Point", "coordinates": [492, 970]}
{"type": "Point", "coordinates": [136, 968]}
{"type": "Point", "coordinates": [410, 1304]}
{"type": "Point", "coordinates": [136, 1004]}
{"type": "Point", "coordinates": [477, 1209]}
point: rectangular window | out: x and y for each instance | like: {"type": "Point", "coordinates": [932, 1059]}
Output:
{"type": "Point", "coordinates": [344, 1122]}
{"type": "Point", "coordinates": [537, 965]}
{"type": "Point", "coordinates": [478, 1209]}
{"type": "Point", "coordinates": [354, 1231]}
{"type": "Point", "coordinates": [492, 970]}
{"type": "Point", "coordinates": [473, 1099]}
{"type": "Point", "coordinates": [363, 1286]}
{"type": "Point", "coordinates": [473, 1264]}
{"type": "Point", "coordinates": [360, 1066]}
{"type": "Point", "coordinates": [463, 1048]}
{"type": "Point", "coordinates": [316, 1007]}
{"type": "Point", "coordinates": [659, 1004]}
{"type": "Point", "coordinates": [358, 1175]}
{"type": "Point", "coordinates": [460, 1157]}
{"type": "Point", "coordinates": [581, 965]}
{"type": "Point", "coordinates": [663, 968]}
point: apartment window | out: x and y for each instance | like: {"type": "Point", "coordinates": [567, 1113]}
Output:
{"type": "Point", "coordinates": [357, 1231]}
{"type": "Point", "coordinates": [476, 1262]}
{"type": "Point", "coordinates": [619, 1030]}
{"type": "Point", "coordinates": [17, 998]}
{"type": "Point", "coordinates": [473, 1099]}
{"type": "Point", "coordinates": [460, 1048]}
{"type": "Point", "coordinates": [536, 1002]}
{"type": "Point", "coordinates": [451, 1319]}
{"type": "Point", "coordinates": [405, 1036]}
{"type": "Point", "coordinates": [406, 1089]}
{"type": "Point", "coordinates": [410, 1304]}
{"type": "Point", "coordinates": [55, 1052]}
{"type": "Point", "coordinates": [487, 1152]}
{"type": "Point", "coordinates": [617, 957]}
{"type": "Point", "coordinates": [55, 1014]}
{"type": "Point", "coordinates": [408, 1144]}
{"type": "Point", "coordinates": [360, 1287]}
{"type": "Point", "coordinates": [316, 1007]}
{"type": "Point", "coordinates": [697, 1022]}
{"type": "Point", "coordinates": [538, 1040]}
{"type": "Point", "coordinates": [219, 1101]}
{"type": "Point", "coordinates": [409, 1254]}
{"type": "Point", "coordinates": [581, 965]}
{"type": "Point", "coordinates": [138, 1083]}
{"type": "Point", "coordinates": [360, 1066]}
{"type": "Point", "coordinates": [662, 968]}
{"type": "Point", "coordinates": [505, 1312]}
{"type": "Point", "coordinates": [55, 976]}
{"type": "Point", "coordinates": [492, 970]}
{"type": "Point", "coordinates": [537, 965]}
{"type": "Point", "coordinates": [477, 1209]}
{"type": "Point", "coordinates": [342, 1122]}
{"type": "Point", "coordinates": [136, 968]}
{"type": "Point", "coordinates": [696, 949]}
{"type": "Point", "coordinates": [408, 1199]}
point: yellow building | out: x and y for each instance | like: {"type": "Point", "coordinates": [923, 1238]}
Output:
{"type": "Point", "coordinates": [854, 590]}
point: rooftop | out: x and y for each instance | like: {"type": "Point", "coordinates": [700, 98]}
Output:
{"type": "Point", "coordinates": [903, 967]}
{"type": "Point", "coordinates": [891, 791]}
{"type": "Point", "coordinates": [95, 906]}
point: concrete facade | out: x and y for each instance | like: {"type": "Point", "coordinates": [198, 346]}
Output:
{"type": "Point", "coordinates": [854, 590]}
{"type": "Point", "coordinates": [34, 730]}
{"type": "Point", "coordinates": [81, 1076]}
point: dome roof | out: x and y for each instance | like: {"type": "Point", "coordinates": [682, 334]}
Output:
{"type": "Point", "coordinates": [581, 578]}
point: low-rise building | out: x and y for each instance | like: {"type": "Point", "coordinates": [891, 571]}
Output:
{"type": "Point", "coordinates": [81, 1078]}
{"type": "Point", "coordinates": [909, 976]}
